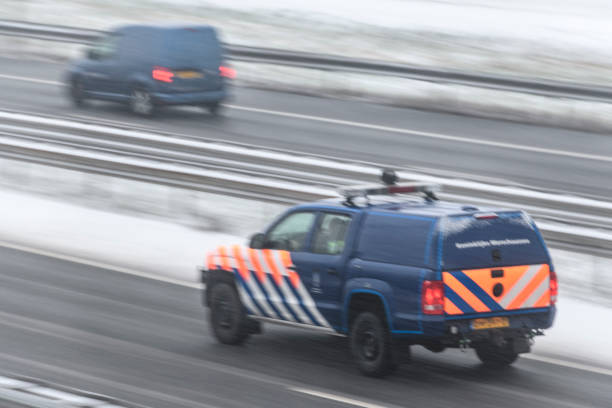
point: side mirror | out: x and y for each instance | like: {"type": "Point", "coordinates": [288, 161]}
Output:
{"type": "Point", "coordinates": [257, 241]}
{"type": "Point", "coordinates": [92, 54]}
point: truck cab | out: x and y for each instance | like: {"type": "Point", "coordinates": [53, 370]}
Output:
{"type": "Point", "coordinates": [389, 270]}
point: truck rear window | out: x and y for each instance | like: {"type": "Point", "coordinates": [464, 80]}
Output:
{"type": "Point", "coordinates": [396, 239]}
{"type": "Point", "coordinates": [509, 239]}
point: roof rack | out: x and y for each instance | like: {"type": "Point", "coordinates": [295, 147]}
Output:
{"type": "Point", "coordinates": [352, 192]}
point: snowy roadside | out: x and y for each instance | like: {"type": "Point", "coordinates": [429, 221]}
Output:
{"type": "Point", "coordinates": [562, 39]}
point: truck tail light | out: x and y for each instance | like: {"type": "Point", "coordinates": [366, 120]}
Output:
{"type": "Point", "coordinates": [162, 74]}
{"type": "Point", "coordinates": [554, 287]}
{"type": "Point", "coordinates": [433, 297]}
{"type": "Point", "coordinates": [227, 72]}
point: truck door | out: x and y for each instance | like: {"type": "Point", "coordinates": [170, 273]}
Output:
{"type": "Point", "coordinates": [323, 265]}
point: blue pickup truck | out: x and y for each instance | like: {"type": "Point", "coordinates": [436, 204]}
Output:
{"type": "Point", "coordinates": [390, 269]}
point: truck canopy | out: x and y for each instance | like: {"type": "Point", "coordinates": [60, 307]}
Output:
{"type": "Point", "coordinates": [482, 241]}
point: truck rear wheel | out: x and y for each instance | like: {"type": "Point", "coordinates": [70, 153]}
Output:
{"type": "Point", "coordinates": [496, 356]}
{"type": "Point", "coordinates": [371, 346]}
{"type": "Point", "coordinates": [227, 315]}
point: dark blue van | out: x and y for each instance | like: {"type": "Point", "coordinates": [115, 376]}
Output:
{"type": "Point", "coordinates": [389, 271]}
{"type": "Point", "coordinates": [147, 67]}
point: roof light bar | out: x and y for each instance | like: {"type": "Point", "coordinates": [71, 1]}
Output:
{"type": "Point", "coordinates": [407, 188]}
{"type": "Point", "coordinates": [486, 216]}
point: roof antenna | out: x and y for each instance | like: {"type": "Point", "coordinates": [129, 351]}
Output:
{"type": "Point", "coordinates": [389, 177]}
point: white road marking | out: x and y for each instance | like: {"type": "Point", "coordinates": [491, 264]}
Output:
{"type": "Point", "coordinates": [568, 364]}
{"type": "Point", "coordinates": [412, 132]}
{"type": "Point", "coordinates": [100, 265]}
{"type": "Point", "coordinates": [337, 398]}
{"type": "Point", "coordinates": [26, 79]}
{"type": "Point", "coordinates": [431, 135]}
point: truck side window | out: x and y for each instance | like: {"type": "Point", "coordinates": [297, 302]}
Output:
{"type": "Point", "coordinates": [290, 234]}
{"type": "Point", "coordinates": [330, 235]}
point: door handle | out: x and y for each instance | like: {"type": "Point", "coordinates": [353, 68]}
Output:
{"type": "Point", "coordinates": [332, 271]}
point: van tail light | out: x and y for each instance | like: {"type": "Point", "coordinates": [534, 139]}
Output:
{"type": "Point", "coordinates": [432, 297]}
{"type": "Point", "coordinates": [162, 74]}
{"type": "Point", "coordinates": [554, 287]}
{"type": "Point", "coordinates": [227, 72]}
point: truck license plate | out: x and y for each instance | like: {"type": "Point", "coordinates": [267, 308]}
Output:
{"type": "Point", "coordinates": [490, 323]}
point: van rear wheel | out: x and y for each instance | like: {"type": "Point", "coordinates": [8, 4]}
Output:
{"type": "Point", "coordinates": [141, 102]}
{"type": "Point", "coordinates": [213, 108]}
{"type": "Point", "coordinates": [371, 345]}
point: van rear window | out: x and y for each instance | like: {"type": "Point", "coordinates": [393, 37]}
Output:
{"type": "Point", "coordinates": [471, 243]}
{"type": "Point", "coordinates": [195, 44]}
{"type": "Point", "coordinates": [396, 239]}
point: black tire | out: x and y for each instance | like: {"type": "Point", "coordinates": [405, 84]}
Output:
{"type": "Point", "coordinates": [227, 315]}
{"type": "Point", "coordinates": [141, 102]}
{"type": "Point", "coordinates": [371, 345]}
{"type": "Point", "coordinates": [496, 356]}
{"type": "Point", "coordinates": [77, 93]}
{"type": "Point", "coordinates": [213, 108]}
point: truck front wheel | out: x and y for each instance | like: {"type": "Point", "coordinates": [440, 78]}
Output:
{"type": "Point", "coordinates": [371, 346]}
{"type": "Point", "coordinates": [227, 316]}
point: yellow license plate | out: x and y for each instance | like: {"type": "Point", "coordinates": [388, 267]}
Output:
{"type": "Point", "coordinates": [490, 323]}
{"type": "Point", "coordinates": [189, 74]}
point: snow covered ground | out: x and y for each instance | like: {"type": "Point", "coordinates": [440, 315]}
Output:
{"type": "Point", "coordinates": [563, 39]}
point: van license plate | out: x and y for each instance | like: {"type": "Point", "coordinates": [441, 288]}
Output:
{"type": "Point", "coordinates": [189, 74]}
{"type": "Point", "coordinates": [490, 323]}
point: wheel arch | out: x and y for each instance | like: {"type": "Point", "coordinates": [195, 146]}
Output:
{"type": "Point", "coordinates": [214, 277]}
{"type": "Point", "coordinates": [362, 299]}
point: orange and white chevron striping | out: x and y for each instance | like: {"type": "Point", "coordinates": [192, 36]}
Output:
{"type": "Point", "coordinates": [479, 291]}
{"type": "Point", "coordinates": [267, 284]}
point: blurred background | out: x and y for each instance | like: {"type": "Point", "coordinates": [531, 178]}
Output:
{"type": "Point", "coordinates": [127, 153]}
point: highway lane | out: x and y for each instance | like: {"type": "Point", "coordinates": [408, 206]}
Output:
{"type": "Point", "coordinates": [437, 143]}
{"type": "Point", "coordinates": [147, 342]}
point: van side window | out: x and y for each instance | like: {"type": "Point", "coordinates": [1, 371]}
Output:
{"type": "Point", "coordinates": [106, 47]}
{"type": "Point", "coordinates": [330, 235]}
{"type": "Point", "coordinates": [290, 234]}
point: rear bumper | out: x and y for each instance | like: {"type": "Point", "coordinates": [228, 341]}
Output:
{"type": "Point", "coordinates": [440, 327]}
{"type": "Point", "coordinates": [190, 98]}
{"type": "Point", "coordinates": [532, 319]}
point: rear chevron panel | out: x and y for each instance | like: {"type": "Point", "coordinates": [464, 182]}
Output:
{"type": "Point", "coordinates": [477, 291]}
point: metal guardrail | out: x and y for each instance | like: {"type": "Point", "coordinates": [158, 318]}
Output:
{"type": "Point", "coordinates": [339, 63]}
{"type": "Point", "coordinates": [269, 175]}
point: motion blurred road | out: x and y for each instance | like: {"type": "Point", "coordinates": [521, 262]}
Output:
{"type": "Point", "coordinates": [437, 143]}
{"type": "Point", "coordinates": [148, 342]}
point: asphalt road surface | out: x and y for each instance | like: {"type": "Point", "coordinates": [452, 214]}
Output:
{"type": "Point", "coordinates": [148, 342]}
{"type": "Point", "coordinates": [443, 144]}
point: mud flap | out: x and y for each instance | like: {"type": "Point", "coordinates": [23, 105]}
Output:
{"type": "Point", "coordinates": [521, 345]}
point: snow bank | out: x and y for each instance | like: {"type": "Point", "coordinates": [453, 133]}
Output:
{"type": "Point", "coordinates": [101, 204]}
{"type": "Point", "coordinates": [564, 39]}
